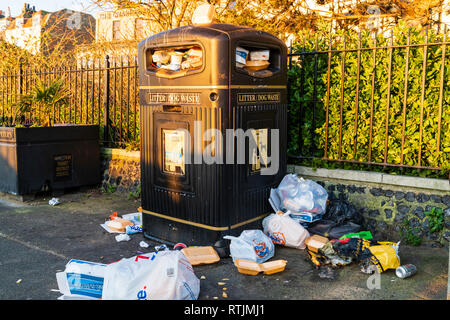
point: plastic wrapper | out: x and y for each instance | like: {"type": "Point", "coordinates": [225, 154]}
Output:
{"type": "Point", "coordinates": [251, 245]}
{"type": "Point", "coordinates": [161, 57]}
{"type": "Point", "coordinates": [241, 55]}
{"type": "Point", "coordinates": [260, 55]}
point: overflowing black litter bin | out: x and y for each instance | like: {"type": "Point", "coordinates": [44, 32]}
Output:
{"type": "Point", "coordinates": [197, 78]}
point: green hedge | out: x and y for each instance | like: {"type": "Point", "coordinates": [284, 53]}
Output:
{"type": "Point", "coordinates": [302, 91]}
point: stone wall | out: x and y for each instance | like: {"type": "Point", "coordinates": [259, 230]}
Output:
{"type": "Point", "coordinates": [385, 206]}
{"type": "Point", "coordinates": [121, 171]}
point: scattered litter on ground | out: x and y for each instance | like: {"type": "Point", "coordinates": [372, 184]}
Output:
{"type": "Point", "coordinates": [179, 246]}
{"type": "Point", "coordinates": [251, 245]}
{"type": "Point", "coordinates": [123, 237]}
{"type": "Point", "coordinates": [161, 247]}
{"type": "Point", "coordinates": [284, 230]}
{"type": "Point", "coordinates": [143, 244]}
{"type": "Point", "coordinates": [168, 273]}
{"type": "Point", "coordinates": [81, 279]}
{"type": "Point", "coordinates": [362, 234]}
{"type": "Point", "coordinates": [130, 223]}
{"type": "Point", "coordinates": [54, 201]}
{"type": "Point", "coordinates": [201, 255]}
{"type": "Point", "coordinates": [19, 281]}
{"type": "Point", "coordinates": [304, 200]}
{"type": "Point", "coordinates": [253, 268]}
{"type": "Point", "coordinates": [326, 272]}
{"type": "Point", "coordinates": [405, 271]}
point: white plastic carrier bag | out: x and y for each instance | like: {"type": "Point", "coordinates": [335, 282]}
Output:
{"type": "Point", "coordinates": [163, 275]}
{"type": "Point", "coordinates": [251, 245]}
{"type": "Point", "coordinates": [81, 280]}
{"type": "Point", "coordinates": [283, 230]}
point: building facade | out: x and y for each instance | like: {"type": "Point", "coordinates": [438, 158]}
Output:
{"type": "Point", "coordinates": [64, 28]}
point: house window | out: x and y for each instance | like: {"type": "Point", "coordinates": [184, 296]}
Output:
{"type": "Point", "coordinates": [139, 30]}
{"type": "Point", "coordinates": [116, 30]}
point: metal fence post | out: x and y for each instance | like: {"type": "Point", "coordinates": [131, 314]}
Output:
{"type": "Point", "coordinates": [106, 111]}
{"type": "Point", "coordinates": [20, 79]}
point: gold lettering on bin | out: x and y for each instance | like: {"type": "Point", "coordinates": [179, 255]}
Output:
{"type": "Point", "coordinates": [7, 134]}
{"type": "Point", "coordinates": [173, 98]}
{"type": "Point", "coordinates": [264, 97]}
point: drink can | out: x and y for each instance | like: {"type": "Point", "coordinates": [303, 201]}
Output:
{"type": "Point", "coordinates": [405, 271]}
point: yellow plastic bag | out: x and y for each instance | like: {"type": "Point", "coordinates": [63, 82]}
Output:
{"type": "Point", "coordinates": [385, 256]}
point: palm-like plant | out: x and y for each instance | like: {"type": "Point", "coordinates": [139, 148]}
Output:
{"type": "Point", "coordinates": [20, 107]}
{"type": "Point", "coordinates": [49, 96]}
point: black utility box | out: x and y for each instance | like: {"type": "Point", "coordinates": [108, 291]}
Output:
{"type": "Point", "coordinates": [48, 158]}
{"type": "Point", "coordinates": [197, 78]}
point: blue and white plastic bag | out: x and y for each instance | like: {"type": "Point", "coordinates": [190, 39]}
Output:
{"type": "Point", "coordinates": [251, 245]}
{"type": "Point", "coordinates": [81, 280]}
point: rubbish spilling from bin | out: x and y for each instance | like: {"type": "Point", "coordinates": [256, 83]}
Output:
{"type": "Point", "coordinates": [186, 58]}
{"type": "Point", "coordinates": [254, 60]}
{"type": "Point", "coordinates": [161, 275]}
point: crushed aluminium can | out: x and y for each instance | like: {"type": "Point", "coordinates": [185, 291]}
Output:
{"type": "Point", "coordinates": [405, 271]}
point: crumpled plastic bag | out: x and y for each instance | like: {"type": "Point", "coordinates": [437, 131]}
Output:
{"type": "Point", "coordinates": [341, 212]}
{"type": "Point", "coordinates": [300, 195]}
{"type": "Point", "coordinates": [331, 229]}
{"type": "Point", "coordinates": [162, 275]}
{"type": "Point", "coordinates": [285, 231]}
{"type": "Point", "coordinates": [251, 245]}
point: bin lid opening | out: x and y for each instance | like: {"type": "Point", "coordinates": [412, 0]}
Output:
{"type": "Point", "coordinates": [258, 61]}
{"type": "Point", "coordinates": [174, 61]}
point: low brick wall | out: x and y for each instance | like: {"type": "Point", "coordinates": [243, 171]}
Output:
{"type": "Point", "coordinates": [386, 202]}
{"type": "Point", "coordinates": [121, 170]}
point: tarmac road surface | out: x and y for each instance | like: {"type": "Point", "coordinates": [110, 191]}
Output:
{"type": "Point", "coordinates": [37, 240]}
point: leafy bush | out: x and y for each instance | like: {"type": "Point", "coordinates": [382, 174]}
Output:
{"type": "Point", "coordinates": [308, 100]}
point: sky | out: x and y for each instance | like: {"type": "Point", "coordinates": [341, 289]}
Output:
{"type": "Point", "coordinates": [47, 5]}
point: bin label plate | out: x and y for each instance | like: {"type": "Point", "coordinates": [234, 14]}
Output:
{"type": "Point", "coordinates": [173, 98]}
{"type": "Point", "coordinates": [63, 167]}
{"type": "Point", "coordinates": [258, 97]}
